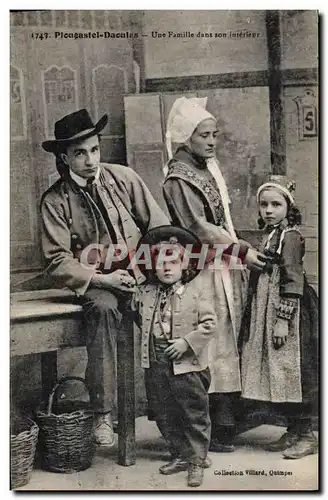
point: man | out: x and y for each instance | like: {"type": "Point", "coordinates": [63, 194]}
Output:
{"type": "Point", "coordinates": [93, 208]}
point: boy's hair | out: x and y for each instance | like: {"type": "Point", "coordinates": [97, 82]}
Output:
{"type": "Point", "coordinates": [187, 274]}
{"type": "Point", "coordinates": [293, 216]}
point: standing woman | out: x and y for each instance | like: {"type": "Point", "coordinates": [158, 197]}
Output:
{"type": "Point", "coordinates": [197, 199]}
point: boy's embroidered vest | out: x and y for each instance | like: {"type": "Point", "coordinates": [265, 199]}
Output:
{"type": "Point", "coordinates": [178, 169]}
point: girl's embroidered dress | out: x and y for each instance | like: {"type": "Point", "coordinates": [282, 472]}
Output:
{"type": "Point", "coordinates": [288, 374]}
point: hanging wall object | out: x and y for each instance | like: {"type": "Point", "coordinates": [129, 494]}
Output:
{"type": "Point", "coordinates": [17, 105]}
{"type": "Point", "coordinates": [307, 115]}
{"type": "Point", "coordinates": [59, 94]}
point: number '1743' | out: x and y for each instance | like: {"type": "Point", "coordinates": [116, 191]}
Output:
{"type": "Point", "coordinates": [40, 36]}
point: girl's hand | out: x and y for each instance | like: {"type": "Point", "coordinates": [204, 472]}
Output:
{"type": "Point", "coordinates": [177, 348]}
{"type": "Point", "coordinates": [280, 333]}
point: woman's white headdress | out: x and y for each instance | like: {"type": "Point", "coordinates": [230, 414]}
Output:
{"type": "Point", "coordinates": [183, 118]}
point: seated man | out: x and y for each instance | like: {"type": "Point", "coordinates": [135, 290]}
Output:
{"type": "Point", "coordinates": [91, 210]}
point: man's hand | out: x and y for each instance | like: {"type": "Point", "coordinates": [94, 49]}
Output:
{"type": "Point", "coordinates": [280, 333]}
{"type": "Point", "coordinates": [118, 280]}
{"type": "Point", "coordinates": [177, 348]}
{"type": "Point", "coordinates": [244, 243]}
{"type": "Point", "coordinates": [254, 260]}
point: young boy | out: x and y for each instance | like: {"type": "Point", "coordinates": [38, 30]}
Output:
{"type": "Point", "coordinates": [177, 320]}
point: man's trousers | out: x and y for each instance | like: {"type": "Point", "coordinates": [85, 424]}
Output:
{"type": "Point", "coordinates": [102, 323]}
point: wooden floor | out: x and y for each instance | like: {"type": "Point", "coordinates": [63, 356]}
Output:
{"type": "Point", "coordinates": [228, 472]}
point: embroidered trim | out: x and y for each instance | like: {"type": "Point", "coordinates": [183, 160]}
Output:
{"type": "Point", "coordinates": [281, 236]}
{"type": "Point", "coordinates": [179, 169]}
{"type": "Point", "coordinates": [286, 308]}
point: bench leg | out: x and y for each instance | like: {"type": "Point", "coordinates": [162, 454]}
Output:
{"type": "Point", "coordinates": [48, 372]}
{"type": "Point", "coordinates": [125, 393]}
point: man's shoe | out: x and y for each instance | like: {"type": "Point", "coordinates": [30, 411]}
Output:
{"type": "Point", "coordinates": [103, 430]}
{"type": "Point", "coordinates": [207, 463]}
{"type": "Point", "coordinates": [180, 464]}
{"type": "Point", "coordinates": [306, 445]}
{"type": "Point", "coordinates": [195, 475]}
{"type": "Point", "coordinates": [177, 465]}
{"type": "Point", "coordinates": [219, 447]}
{"type": "Point", "coordinates": [287, 440]}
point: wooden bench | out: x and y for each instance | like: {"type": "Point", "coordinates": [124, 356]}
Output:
{"type": "Point", "coordinates": [45, 321]}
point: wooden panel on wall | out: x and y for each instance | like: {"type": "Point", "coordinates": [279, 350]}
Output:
{"type": "Point", "coordinates": [145, 141]}
{"type": "Point", "coordinates": [113, 150]}
{"type": "Point", "coordinates": [143, 120]}
{"type": "Point", "coordinates": [148, 164]}
{"type": "Point", "coordinates": [243, 146]}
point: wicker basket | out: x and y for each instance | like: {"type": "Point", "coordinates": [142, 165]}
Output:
{"type": "Point", "coordinates": [22, 453]}
{"type": "Point", "coordinates": [66, 439]}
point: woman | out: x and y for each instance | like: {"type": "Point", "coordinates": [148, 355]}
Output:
{"type": "Point", "coordinates": [197, 199]}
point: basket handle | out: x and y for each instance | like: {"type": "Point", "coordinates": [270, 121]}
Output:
{"type": "Point", "coordinates": [53, 392]}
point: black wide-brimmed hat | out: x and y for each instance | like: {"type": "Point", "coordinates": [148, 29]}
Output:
{"type": "Point", "coordinates": [175, 236]}
{"type": "Point", "coordinates": [74, 128]}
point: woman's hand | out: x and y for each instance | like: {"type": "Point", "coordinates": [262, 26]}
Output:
{"type": "Point", "coordinates": [254, 260]}
{"type": "Point", "coordinates": [244, 243]}
{"type": "Point", "coordinates": [280, 333]}
{"type": "Point", "coordinates": [177, 348]}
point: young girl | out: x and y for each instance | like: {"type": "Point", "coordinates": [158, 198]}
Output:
{"type": "Point", "coordinates": [177, 320]}
{"type": "Point", "coordinates": [279, 344]}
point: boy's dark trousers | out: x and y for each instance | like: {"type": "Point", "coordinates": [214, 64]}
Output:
{"type": "Point", "coordinates": [224, 409]}
{"type": "Point", "coordinates": [180, 406]}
